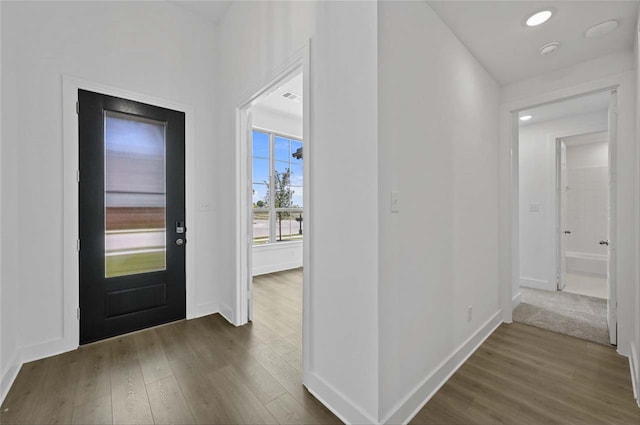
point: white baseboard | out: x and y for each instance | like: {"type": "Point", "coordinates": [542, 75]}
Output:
{"type": "Point", "coordinates": [634, 365]}
{"type": "Point", "coordinates": [226, 312]}
{"type": "Point", "coordinates": [46, 349]}
{"type": "Point", "coordinates": [273, 268]}
{"type": "Point", "coordinates": [205, 310]}
{"type": "Point", "coordinates": [340, 405]}
{"type": "Point", "coordinates": [535, 283]}
{"type": "Point", "coordinates": [515, 301]}
{"type": "Point", "coordinates": [411, 404]}
{"type": "Point", "coordinates": [9, 375]}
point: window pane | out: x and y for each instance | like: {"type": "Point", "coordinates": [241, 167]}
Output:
{"type": "Point", "coordinates": [260, 170]}
{"type": "Point", "coordinates": [296, 152]}
{"type": "Point", "coordinates": [297, 226]}
{"type": "Point", "coordinates": [260, 227]}
{"type": "Point", "coordinates": [135, 196]}
{"type": "Point", "coordinates": [296, 174]}
{"type": "Point", "coordinates": [296, 197]}
{"type": "Point", "coordinates": [260, 144]}
{"type": "Point", "coordinates": [260, 195]}
{"type": "Point", "coordinates": [283, 226]}
{"type": "Point", "coordinates": [281, 149]}
{"type": "Point", "coordinates": [281, 168]}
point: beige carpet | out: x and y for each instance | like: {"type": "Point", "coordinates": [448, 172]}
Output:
{"type": "Point", "coordinates": [570, 314]}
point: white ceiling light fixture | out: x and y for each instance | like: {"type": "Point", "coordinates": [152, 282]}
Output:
{"type": "Point", "coordinates": [526, 117]}
{"type": "Point", "coordinates": [549, 48]}
{"type": "Point", "coordinates": [539, 18]}
{"type": "Point", "coordinates": [602, 29]}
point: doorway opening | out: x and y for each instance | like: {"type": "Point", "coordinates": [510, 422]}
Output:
{"type": "Point", "coordinates": [276, 152]}
{"type": "Point", "coordinates": [273, 151]}
{"type": "Point", "coordinates": [566, 210]}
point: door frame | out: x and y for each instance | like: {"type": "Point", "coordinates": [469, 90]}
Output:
{"type": "Point", "coordinates": [611, 146]}
{"type": "Point", "coordinates": [300, 61]}
{"type": "Point", "coordinates": [558, 216]}
{"type": "Point", "coordinates": [71, 216]}
{"type": "Point", "coordinates": [509, 270]}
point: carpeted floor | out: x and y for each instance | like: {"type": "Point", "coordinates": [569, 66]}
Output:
{"type": "Point", "coordinates": [570, 314]}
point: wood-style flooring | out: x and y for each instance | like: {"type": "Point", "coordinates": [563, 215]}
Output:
{"type": "Point", "coordinates": [202, 371]}
{"type": "Point", "coordinates": [526, 375]}
{"type": "Point", "coordinates": [207, 371]}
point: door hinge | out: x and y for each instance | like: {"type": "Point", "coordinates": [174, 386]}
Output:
{"type": "Point", "coordinates": [78, 175]}
{"type": "Point", "coordinates": [78, 245]}
{"type": "Point", "coordinates": [77, 107]}
{"type": "Point", "coordinates": [78, 313]}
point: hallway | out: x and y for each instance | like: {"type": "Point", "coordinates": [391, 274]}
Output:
{"type": "Point", "coordinates": [208, 371]}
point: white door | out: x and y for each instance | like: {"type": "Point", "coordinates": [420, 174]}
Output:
{"type": "Point", "coordinates": [250, 215]}
{"type": "Point", "coordinates": [612, 298]}
{"type": "Point", "coordinates": [565, 232]}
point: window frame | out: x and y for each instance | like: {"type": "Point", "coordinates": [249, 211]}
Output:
{"type": "Point", "coordinates": [271, 210]}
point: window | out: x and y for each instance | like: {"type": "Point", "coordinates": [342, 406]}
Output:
{"type": "Point", "coordinates": [277, 188]}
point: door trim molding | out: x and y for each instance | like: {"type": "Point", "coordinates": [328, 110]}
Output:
{"type": "Point", "coordinates": [508, 166]}
{"type": "Point", "coordinates": [71, 278]}
{"type": "Point", "coordinates": [238, 314]}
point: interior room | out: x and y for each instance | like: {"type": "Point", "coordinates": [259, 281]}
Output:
{"type": "Point", "coordinates": [244, 212]}
{"type": "Point", "coordinates": [564, 217]}
{"type": "Point", "coordinates": [277, 218]}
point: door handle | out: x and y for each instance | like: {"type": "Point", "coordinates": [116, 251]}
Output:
{"type": "Point", "coordinates": [180, 242]}
{"type": "Point", "coordinates": [604, 243]}
{"type": "Point", "coordinates": [567, 232]}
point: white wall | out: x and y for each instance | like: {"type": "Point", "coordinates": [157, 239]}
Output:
{"type": "Point", "coordinates": [278, 31]}
{"type": "Point", "coordinates": [10, 219]}
{"type": "Point", "coordinates": [343, 363]}
{"type": "Point", "coordinates": [615, 70]}
{"type": "Point", "coordinates": [271, 258]}
{"type": "Point", "coordinates": [635, 343]}
{"type": "Point", "coordinates": [153, 48]}
{"type": "Point", "coordinates": [269, 119]}
{"type": "Point", "coordinates": [587, 198]}
{"type": "Point", "coordinates": [438, 127]}
{"type": "Point", "coordinates": [538, 194]}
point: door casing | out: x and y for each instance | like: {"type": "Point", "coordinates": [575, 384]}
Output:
{"type": "Point", "coordinates": [70, 86]}
{"type": "Point", "coordinates": [299, 62]}
{"type": "Point", "coordinates": [509, 269]}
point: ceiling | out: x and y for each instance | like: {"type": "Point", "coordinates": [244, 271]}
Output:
{"type": "Point", "coordinates": [586, 139]}
{"type": "Point", "coordinates": [212, 10]}
{"type": "Point", "coordinates": [598, 102]}
{"type": "Point", "coordinates": [276, 103]}
{"type": "Point", "coordinates": [494, 31]}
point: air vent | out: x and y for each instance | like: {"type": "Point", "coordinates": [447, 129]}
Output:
{"type": "Point", "coordinates": [291, 96]}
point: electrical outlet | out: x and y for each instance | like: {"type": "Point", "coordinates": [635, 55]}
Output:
{"type": "Point", "coordinates": [395, 202]}
{"type": "Point", "coordinates": [469, 313]}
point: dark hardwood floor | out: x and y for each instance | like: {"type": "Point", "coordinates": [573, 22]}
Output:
{"type": "Point", "coordinates": [207, 371]}
{"type": "Point", "coordinates": [527, 375]}
{"type": "Point", "coordinates": [203, 371]}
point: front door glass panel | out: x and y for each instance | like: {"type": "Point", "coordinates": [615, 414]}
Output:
{"type": "Point", "coordinates": [135, 195]}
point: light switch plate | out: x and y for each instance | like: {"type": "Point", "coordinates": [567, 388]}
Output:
{"type": "Point", "coordinates": [395, 202]}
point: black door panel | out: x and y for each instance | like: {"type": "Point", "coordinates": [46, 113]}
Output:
{"type": "Point", "coordinates": [132, 168]}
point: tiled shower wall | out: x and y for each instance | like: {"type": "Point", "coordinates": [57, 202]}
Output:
{"type": "Point", "coordinates": [587, 197]}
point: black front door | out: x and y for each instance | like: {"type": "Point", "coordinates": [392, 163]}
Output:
{"type": "Point", "coordinates": [132, 212]}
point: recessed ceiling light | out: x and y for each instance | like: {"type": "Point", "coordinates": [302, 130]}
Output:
{"type": "Point", "coordinates": [601, 29]}
{"type": "Point", "coordinates": [526, 117]}
{"type": "Point", "coordinates": [539, 18]}
{"type": "Point", "coordinates": [549, 48]}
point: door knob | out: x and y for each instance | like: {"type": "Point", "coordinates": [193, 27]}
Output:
{"type": "Point", "coordinates": [567, 232]}
{"type": "Point", "coordinates": [604, 243]}
{"type": "Point", "coordinates": [180, 242]}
